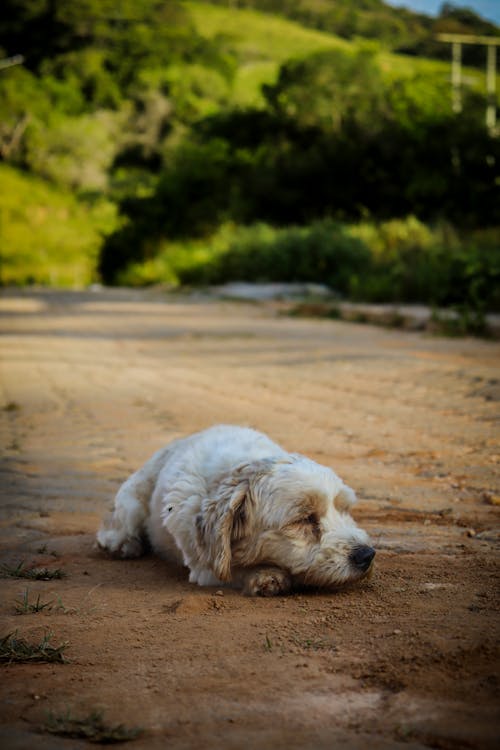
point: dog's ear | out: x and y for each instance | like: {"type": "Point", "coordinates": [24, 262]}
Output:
{"type": "Point", "coordinates": [344, 498]}
{"type": "Point", "coordinates": [224, 517]}
{"type": "Point", "coordinates": [215, 523]}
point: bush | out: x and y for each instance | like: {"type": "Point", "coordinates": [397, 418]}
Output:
{"type": "Point", "coordinates": [412, 262]}
{"type": "Point", "coordinates": [75, 151]}
{"type": "Point", "coordinates": [401, 260]}
{"type": "Point", "coordinates": [323, 252]}
{"type": "Point", "coordinates": [48, 236]}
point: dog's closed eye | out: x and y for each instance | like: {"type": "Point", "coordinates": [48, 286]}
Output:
{"type": "Point", "coordinates": [310, 523]}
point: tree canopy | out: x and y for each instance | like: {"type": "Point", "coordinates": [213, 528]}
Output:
{"type": "Point", "coordinates": [133, 102]}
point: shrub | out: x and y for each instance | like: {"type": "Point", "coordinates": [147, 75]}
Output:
{"type": "Point", "coordinates": [48, 236]}
{"type": "Point", "coordinates": [323, 252]}
{"type": "Point", "coordinates": [412, 262]}
{"type": "Point", "coordinates": [401, 260]}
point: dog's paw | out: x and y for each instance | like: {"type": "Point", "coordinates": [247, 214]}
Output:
{"type": "Point", "coordinates": [267, 582]}
{"type": "Point", "coordinates": [131, 547]}
{"type": "Point", "coordinates": [120, 547]}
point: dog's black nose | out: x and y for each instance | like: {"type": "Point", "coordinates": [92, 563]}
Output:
{"type": "Point", "coordinates": [362, 557]}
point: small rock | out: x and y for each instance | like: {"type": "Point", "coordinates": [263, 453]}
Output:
{"type": "Point", "coordinates": [396, 631]}
{"type": "Point", "coordinates": [432, 586]}
{"type": "Point", "coordinates": [470, 532]}
{"type": "Point", "coordinates": [219, 593]}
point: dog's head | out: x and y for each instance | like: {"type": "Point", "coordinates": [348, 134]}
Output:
{"type": "Point", "coordinates": [290, 512]}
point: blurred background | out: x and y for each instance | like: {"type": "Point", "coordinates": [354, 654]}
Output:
{"type": "Point", "coordinates": [185, 143]}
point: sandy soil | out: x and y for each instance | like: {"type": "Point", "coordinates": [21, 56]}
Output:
{"type": "Point", "coordinates": [92, 384]}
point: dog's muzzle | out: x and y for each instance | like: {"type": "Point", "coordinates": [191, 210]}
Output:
{"type": "Point", "coordinates": [361, 557]}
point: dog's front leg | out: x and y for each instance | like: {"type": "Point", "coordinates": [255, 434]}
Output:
{"type": "Point", "coordinates": [266, 581]}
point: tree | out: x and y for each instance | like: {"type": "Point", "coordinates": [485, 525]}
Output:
{"type": "Point", "coordinates": [328, 88]}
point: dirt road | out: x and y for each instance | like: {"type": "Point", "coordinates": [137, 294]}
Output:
{"type": "Point", "coordinates": [92, 384]}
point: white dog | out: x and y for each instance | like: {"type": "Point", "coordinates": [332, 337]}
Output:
{"type": "Point", "coordinates": [234, 507]}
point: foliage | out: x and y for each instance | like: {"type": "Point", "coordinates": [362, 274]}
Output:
{"type": "Point", "coordinates": [75, 151]}
{"type": "Point", "coordinates": [295, 163]}
{"type": "Point", "coordinates": [323, 251]}
{"type": "Point", "coordinates": [397, 28]}
{"type": "Point", "coordinates": [326, 88]}
{"type": "Point", "coordinates": [235, 141]}
{"type": "Point", "coordinates": [25, 607]}
{"type": "Point", "coordinates": [80, 80]}
{"type": "Point", "coordinates": [14, 649]}
{"type": "Point", "coordinates": [22, 102]}
{"type": "Point", "coordinates": [191, 199]}
{"type": "Point", "coordinates": [395, 261]}
{"type": "Point", "coordinates": [102, 78]}
{"type": "Point", "coordinates": [48, 236]}
{"type": "Point", "coordinates": [262, 43]}
{"type": "Point", "coordinates": [34, 574]}
{"type": "Point", "coordinates": [133, 33]}
{"type": "Point", "coordinates": [412, 262]}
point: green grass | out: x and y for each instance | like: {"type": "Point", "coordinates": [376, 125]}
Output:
{"type": "Point", "coordinates": [263, 42]}
{"type": "Point", "coordinates": [33, 574]}
{"type": "Point", "coordinates": [260, 36]}
{"type": "Point", "coordinates": [13, 649]}
{"type": "Point", "coordinates": [92, 728]}
{"type": "Point", "coordinates": [25, 607]}
{"type": "Point", "coordinates": [47, 235]}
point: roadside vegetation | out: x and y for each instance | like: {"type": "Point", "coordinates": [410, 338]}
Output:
{"type": "Point", "coordinates": [195, 143]}
{"type": "Point", "coordinates": [49, 235]}
{"type": "Point", "coordinates": [17, 650]}
{"type": "Point", "coordinates": [33, 573]}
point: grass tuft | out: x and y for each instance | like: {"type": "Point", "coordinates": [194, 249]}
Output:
{"type": "Point", "coordinates": [34, 574]}
{"type": "Point", "coordinates": [25, 607]}
{"type": "Point", "coordinates": [92, 728]}
{"type": "Point", "coordinates": [13, 649]}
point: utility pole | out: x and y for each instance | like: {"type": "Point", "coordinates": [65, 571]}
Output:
{"type": "Point", "coordinates": [456, 77]}
{"type": "Point", "coordinates": [491, 43]}
{"type": "Point", "coordinates": [491, 69]}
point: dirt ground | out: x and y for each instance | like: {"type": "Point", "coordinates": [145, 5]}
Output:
{"type": "Point", "coordinates": [94, 383]}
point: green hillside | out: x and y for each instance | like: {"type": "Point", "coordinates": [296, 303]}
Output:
{"type": "Point", "coordinates": [397, 28]}
{"type": "Point", "coordinates": [182, 141]}
{"type": "Point", "coordinates": [263, 41]}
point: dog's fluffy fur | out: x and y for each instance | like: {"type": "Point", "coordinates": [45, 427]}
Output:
{"type": "Point", "coordinates": [234, 507]}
